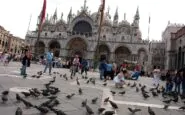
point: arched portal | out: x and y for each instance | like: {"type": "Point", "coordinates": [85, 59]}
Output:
{"type": "Point", "coordinates": [142, 56]}
{"type": "Point", "coordinates": [76, 46]}
{"type": "Point", "coordinates": [55, 46]}
{"type": "Point", "coordinates": [103, 51]}
{"type": "Point", "coordinates": [82, 27]}
{"type": "Point", "coordinates": [40, 48]}
{"type": "Point", "coordinates": [122, 54]}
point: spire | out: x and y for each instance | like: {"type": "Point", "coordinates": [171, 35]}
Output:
{"type": "Point", "coordinates": [69, 17]}
{"type": "Point", "coordinates": [47, 17]}
{"type": "Point", "coordinates": [70, 13]}
{"type": "Point", "coordinates": [115, 21]}
{"type": "Point", "coordinates": [85, 3]}
{"type": "Point", "coordinates": [137, 17]}
{"type": "Point", "coordinates": [62, 16]}
{"type": "Point", "coordinates": [116, 14]}
{"type": "Point", "coordinates": [124, 16]}
{"type": "Point", "coordinates": [108, 9]}
{"type": "Point", "coordinates": [84, 8]}
{"type": "Point", "coordinates": [55, 16]}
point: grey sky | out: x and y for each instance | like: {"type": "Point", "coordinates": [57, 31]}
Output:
{"type": "Point", "coordinates": [15, 14]}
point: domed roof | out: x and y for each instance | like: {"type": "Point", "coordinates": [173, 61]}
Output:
{"type": "Point", "coordinates": [124, 23]}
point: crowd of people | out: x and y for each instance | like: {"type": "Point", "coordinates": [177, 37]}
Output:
{"type": "Point", "coordinates": [175, 80]}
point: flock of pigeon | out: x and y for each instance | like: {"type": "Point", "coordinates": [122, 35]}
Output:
{"type": "Point", "coordinates": [51, 92]}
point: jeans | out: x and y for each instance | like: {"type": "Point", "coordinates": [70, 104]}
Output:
{"type": "Point", "coordinates": [101, 74]}
{"type": "Point", "coordinates": [135, 77]}
{"type": "Point", "coordinates": [84, 69]}
{"type": "Point", "coordinates": [74, 70]}
{"type": "Point", "coordinates": [169, 87]}
{"type": "Point", "coordinates": [48, 64]}
{"type": "Point", "coordinates": [23, 70]}
{"type": "Point", "coordinates": [177, 88]}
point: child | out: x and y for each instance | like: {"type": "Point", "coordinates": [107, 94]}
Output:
{"type": "Point", "coordinates": [177, 81]}
{"type": "Point", "coordinates": [24, 64]}
{"type": "Point", "coordinates": [119, 79]}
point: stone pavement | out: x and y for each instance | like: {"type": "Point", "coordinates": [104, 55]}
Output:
{"type": "Point", "coordinates": [10, 79]}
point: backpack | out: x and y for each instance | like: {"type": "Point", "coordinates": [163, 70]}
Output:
{"type": "Point", "coordinates": [49, 56]}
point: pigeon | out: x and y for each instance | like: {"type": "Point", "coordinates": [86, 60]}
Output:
{"type": "Point", "coordinates": [150, 111]}
{"type": "Point", "coordinates": [93, 82]}
{"type": "Point", "coordinates": [106, 99]}
{"type": "Point", "coordinates": [109, 113]}
{"type": "Point", "coordinates": [52, 97]}
{"type": "Point", "coordinates": [4, 98]}
{"type": "Point", "coordinates": [105, 84]}
{"type": "Point", "coordinates": [100, 110]}
{"type": "Point", "coordinates": [182, 108]}
{"type": "Point", "coordinates": [27, 104]}
{"type": "Point", "coordinates": [80, 91]}
{"type": "Point", "coordinates": [33, 76]}
{"type": "Point", "coordinates": [58, 112]}
{"type": "Point", "coordinates": [176, 99]}
{"type": "Point", "coordinates": [84, 103]}
{"type": "Point", "coordinates": [133, 111]}
{"type": "Point", "coordinates": [134, 85]}
{"type": "Point", "coordinates": [89, 110]}
{"type": "Point", "coordinates": [137, 89]}
{"type": "Point", "coordinates": [94, 100]}
{"type": "Point", "coordinates": [154, 93]}
{"type": "Point", "coordinates": [87, 81]}
{"type": "Point", "coordinates": [78, 83]}
{"type": "Point", "coordinates": [70, 96]}
{"type": "Point", "coordinates": [114, 105]}
{"type": "Point", "coordinates": [123, 92]}
{"type": "Point", "coordinates": [5, 92]}
{"type": "Point", "coordinates": [18, 98]}
{"type": "Point", "coordinates": [128, 84]}
{"type": "Point", "coordinates": [145, 95]}
{"type": "Point", "coordinates": [42, 109]}
{"type": "Point", "coordinates": [140, 85]}
{"type": "Point", "coordinates": [18, 111]}
{"type": "Point", "coordinates": [165, 107]}
{"type": "Point", "coordinates": [113, 92]}
{"type": "Point", "coordinates": [167, 101]}
{"type": "Point", "coordinates": [26, 94]}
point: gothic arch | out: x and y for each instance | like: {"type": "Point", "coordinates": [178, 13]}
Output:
{"type": "Point", "coordinates": [103, 50]}
{"type": "Point", "coordinates": [55, 46]}
{"type": "Point", "coordinates": [81, 17]}
{"type": "Point", "coordinates": [77, 46]}
{"type": "Point", "coordinates": [40, 47]}
{"type": "Point", "coordinates": [142, 56]}
{"type": "Point", "coordinates": [122, 54]}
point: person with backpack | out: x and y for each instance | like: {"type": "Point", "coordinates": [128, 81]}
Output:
{"type": "Point", "coordinates": [49, 60]}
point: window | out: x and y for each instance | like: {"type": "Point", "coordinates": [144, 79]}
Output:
{"type": "Point", "coordinates": [59, 34]}
{"type": "Point", "coordinates": [104, 36]}
{"type": "Point", "coordinates": [45, 34]}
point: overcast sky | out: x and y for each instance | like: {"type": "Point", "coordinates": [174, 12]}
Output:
{"type": "Point", "coordinates": [15, 14]}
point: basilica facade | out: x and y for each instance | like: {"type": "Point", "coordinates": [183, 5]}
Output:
{"type": "Point", "coordinates": [120, 41]}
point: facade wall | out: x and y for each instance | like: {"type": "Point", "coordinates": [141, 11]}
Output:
{"type": "Point", "coordinates": [169, 44]}
{"type": "Point", "coordinates": [118, 40]}
{"type": "Point", "coordinates": [176, 52]}
{"type": "Point", "coordinates": [8, 42]}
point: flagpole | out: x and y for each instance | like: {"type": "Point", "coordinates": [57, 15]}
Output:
{"type": "Point", "coordinates": [42, 17]}
{"type": "Point", "coordinates": [29, 23]}
{"type": "Point", "coordinates": [99, 30]}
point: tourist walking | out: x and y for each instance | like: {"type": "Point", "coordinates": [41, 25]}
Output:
{"type": "Point", "coordinates": [177, 81]}
{"type": "Point", "coordinates": [102, 68]}
{"type": "Point", "coordinates": [84, 66]}
{"type": "Point", "coordinates": [49, 58]}
{"type": "Point", "coordinates": [182, 72]}
{"type": "Point", "coordinates": [75, 64]}
{"type": "Point", "coordinates": [156, 75]}
{"type": "Point", "coordinates": [5, 58]}
{"type": "Point", "coordinates": [24, 64]}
